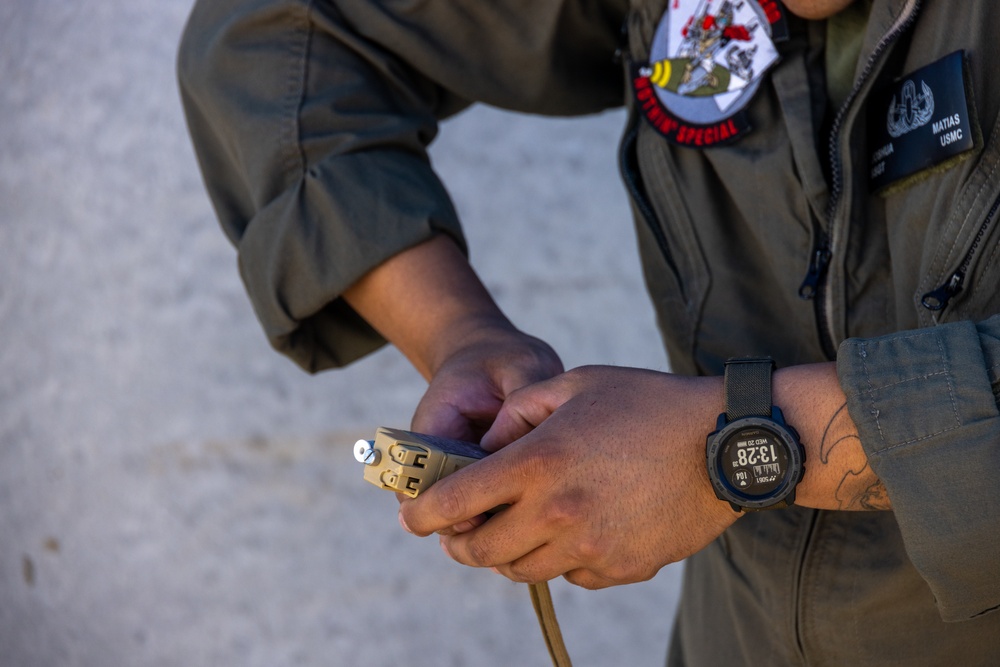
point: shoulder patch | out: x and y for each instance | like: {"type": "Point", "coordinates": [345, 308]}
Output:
{"type": "Point", "coordinates": [705, 65]}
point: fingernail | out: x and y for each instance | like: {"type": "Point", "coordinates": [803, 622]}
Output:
{"type": "Point", "coordinates": [402, 522]}
{"type": "Point", "coordinates": [444, 548]}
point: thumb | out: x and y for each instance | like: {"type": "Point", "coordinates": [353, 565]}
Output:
{"type": "Point", "coordinates": [522, 411]}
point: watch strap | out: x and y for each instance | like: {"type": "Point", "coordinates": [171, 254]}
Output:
{"type": "Point", "coordinates": [748, 387]}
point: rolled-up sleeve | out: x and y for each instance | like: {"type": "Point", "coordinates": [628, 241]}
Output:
{"type": "Point", "coordinates": [311, 121]}
{"type": "Point", "coordinates": [925, 404]}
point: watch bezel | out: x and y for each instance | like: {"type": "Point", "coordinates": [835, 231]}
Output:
{"type": "Point", "coordinates": [785, 492]}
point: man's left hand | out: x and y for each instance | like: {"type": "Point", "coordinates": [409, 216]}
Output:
{"type": "Point", "coordinates": [603, 470]}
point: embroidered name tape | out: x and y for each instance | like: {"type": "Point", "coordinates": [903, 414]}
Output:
{"type": "Point", "coordinates": [919, 122]}
{"type": "Point", "coordinates": [705, 64]}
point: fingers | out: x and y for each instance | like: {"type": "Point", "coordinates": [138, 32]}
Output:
{"type": "Point", "coordinates": [529, 542]}
{"type": "Point", "coordinates": [455, 504]}
{"type": "Point", "coordinates": [460, 497]}
{"type": "Point", "coordinates": [538, 565]}
{"type": "Point", "coordinates": [468, 388]}
{"type": "Point", "coordinates": [503, 539]}
{"type": "Point", "coordinates": [523, 410]}
{"type": "Point", "coordinates": [465, 526]}
{"type": "Point", "coordinates": [543, 563]}
{"type": "Point", "coordinates": [590, 580]}
{"type": "Point", "coordinates": [575, 469]}
{"type": "Point", "coordinates": [549, 561]}
{"type": "Point", "coordinates": [460, 413]}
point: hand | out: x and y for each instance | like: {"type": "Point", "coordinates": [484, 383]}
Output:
{"type": "Point", "coordinates": [469, 387]}
{"type": "Point", "coordinates": [604, 474]}
{"type": "Point", "coordinates": [431, 304]}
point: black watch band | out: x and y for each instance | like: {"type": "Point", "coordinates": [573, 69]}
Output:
{"type": "Point", "coordinates": [754, 458]}
{"type": "Point", "coordinates": [748, 387]}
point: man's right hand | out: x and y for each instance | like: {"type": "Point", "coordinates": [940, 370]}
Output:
{"type": "Point", "coordinates": [429, 302]}
{"type": "Point", "coordinates": [466, 392]}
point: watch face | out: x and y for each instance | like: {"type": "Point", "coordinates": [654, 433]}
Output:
{"type": "Point", "coordinates": [753, 461]}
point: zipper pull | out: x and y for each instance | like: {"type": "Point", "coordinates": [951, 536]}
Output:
{"type": "Point", "coordinates": [622, 48]}
{"type": "Point", "coordinates": [817, 267]}
{"type": "Point", "coordinates": [937, 299]}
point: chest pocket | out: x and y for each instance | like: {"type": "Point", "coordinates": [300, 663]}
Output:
{"type": "Point", "coordinates": [674, 266]}
{"type": "Point", "coordinates": [960, 268]}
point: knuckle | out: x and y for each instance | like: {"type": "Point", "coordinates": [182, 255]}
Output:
{"type": "Point", "coordinates": [574, 377]}
{"type": "Point", "coordinates": [535, 461]}
{"type": "Point", "coordinates": [620, 572]}
{"type": "Point", "coordinates": [584, 579]}
{"type": "Point", "coordinates": [578, 372]}
{"type": "Point", "coordinates": [479, 553]}
{"type": "Point", "coordinates": [582, 374]}
{"type": "Point", "coordinates": [520, 573]}
{"type": "Point", "coordinates": [591, 550]}
{"type": "Point", "coordinates": [567, 510]}
{"type": "Point", "coordinates": [528, 465]}
{"type": "Point", "coordinates": [646, 575]}
{"type": "Point", "coordinates": [452, 501]}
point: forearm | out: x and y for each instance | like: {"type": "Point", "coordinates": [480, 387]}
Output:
{"type": "Point", "coordinates": [837, 473]}
{"type": "Point", "coordinates": [427, 301]}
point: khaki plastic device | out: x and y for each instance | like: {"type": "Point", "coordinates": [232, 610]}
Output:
{"type": "Point", "coordinates": [409, 462]}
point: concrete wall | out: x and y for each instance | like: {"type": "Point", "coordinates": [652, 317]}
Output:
{"type": "Point", "coordinates": [172, 492]}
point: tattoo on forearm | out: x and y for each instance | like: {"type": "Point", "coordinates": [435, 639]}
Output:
{"type": "Point", "coordinates": [859, 488]}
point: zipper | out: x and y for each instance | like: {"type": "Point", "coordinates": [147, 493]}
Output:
{"type": "Point", "coordinates": [629, 168]}
{"type": "Point", "coordinates": [819, 261]}
{"type": "Point", "coordinates": [817, 269]}
{"type": "Point", "coordinates": [815, 286]}
{"type": "Point", "coordinates": [902, 22]}
{"type": "Point", "coordinates": [937, 299]}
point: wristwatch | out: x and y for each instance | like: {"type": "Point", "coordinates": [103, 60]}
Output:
{"type": "Point", "coordinates": [754, 458]}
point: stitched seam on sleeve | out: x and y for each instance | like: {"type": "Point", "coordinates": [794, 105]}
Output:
{"type": "Point", "coordinates": [876, 413]}
{"type": "Point", "coordinates": [295, 92]}
{"type": "Point", "coordinates": [920, 439]}
{"type": "Point", "coordinates": [910, 379]}
{"type": "Point", "coordinates": [915, 334]}
{"type": "Point", "coordinates": [951, 386]}
{"type": "Point", "coordinates": [871, 393]}
{"type": "Point", "coordinates": [294, 160]}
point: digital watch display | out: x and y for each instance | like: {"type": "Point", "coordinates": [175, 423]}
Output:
{"type": "Point", "coordinates": [754, 458]}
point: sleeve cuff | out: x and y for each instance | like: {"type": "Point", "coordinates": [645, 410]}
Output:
{"type": "Point", "coordinates": [928, 421]}
{"type": "Point", "coordinates": [346, 216]}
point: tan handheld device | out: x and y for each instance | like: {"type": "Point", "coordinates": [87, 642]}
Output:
{"type": "Point", "coordinates": [409, 462]}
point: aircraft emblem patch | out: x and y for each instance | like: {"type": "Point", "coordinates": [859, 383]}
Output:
{"type": "Point", "coordinates": [706, 63]}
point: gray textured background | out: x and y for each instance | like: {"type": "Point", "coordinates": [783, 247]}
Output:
{"type": "Point", "coordinates": [172, 492]}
